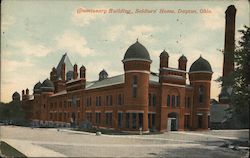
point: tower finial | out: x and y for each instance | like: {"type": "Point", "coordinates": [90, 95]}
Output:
{"type": "Point", "coordinates": [137, 39]}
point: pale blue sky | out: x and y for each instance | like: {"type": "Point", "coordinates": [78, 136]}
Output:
{"type": "Point", "coordinates": [35, 35]}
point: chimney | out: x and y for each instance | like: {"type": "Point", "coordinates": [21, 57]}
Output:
{"type": "Point", "coordinates": [75, 72]}
{"type": "Point", "coordinates": [229, 45]}
{"type": "Point", "coordinates": [82, 72]}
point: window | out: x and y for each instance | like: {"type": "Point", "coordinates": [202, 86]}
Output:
{"type": "Point", "coordinates": [109, 118]}
{"type": "Point", "coordinates": [201, 94]}
{"type": "Point", "coordinates": [153, 120]}
{"type": "Point", "coordinates": [178, 101]}
{"type": "Point", "coordinates": [65, 104]}
{"type": "Point", "coordinates": [140, 120]}
{"type": "Point", "coordinates": [134, 120]}
{"type": "Point", "coordinates": [149, 99]}
{"type": "Point", "coordinates": [78, 103]}
{"type": "Point", "coordinates": [188, 102]}
{"type": "Point", "coordinates": [186, 121]}
{"type": "Point", "coordinates": [119, 99]}
{"type": "Point", "coordinates": [120, 120]}
{"type": "Point", "coordinates": [173, 100]}
{"type": "Point", "coordinates": [97, 117]}
{"type": "Point", "coordinates": [135, 80]}
{"type": "Point", "coordinates": [88, 101]}
{"type": "Point", "coordinates": [134, 87]}
{"type": "Point", "coordinates": [149, 121]}
{"type": "Point", "coordinates": [208, 119]}
{"type": "Point", "coordinates": [154, 100]}
{"type": "Point", "coordinates": [65, 114]}
{"type": "Point", "coordinates": [109, 100]}
{"type": "Point", "coordinates": [89, 116]}
{"type": "Point", "coordinates": [168, 100]}
{"type": "Point", "coordinates": [199, 121]}
{"type": "Point", "coordinates": [127, 120]}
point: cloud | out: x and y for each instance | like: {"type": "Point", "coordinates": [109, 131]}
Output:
{"type": "Point", "coordinates": [12, 65]}
{"type": "Point", "coordinates": [114, 32]}
{"type": "Point", "coordinates": [214, 20]}
{"type": "Point", "coordinates": [6, 22]}
{"type": "Point", "coordinates": [144, 33]}
{"type": "Point", "coordinates": [74, 43]}
{"type": "Point", "coordinates": [37, 50]}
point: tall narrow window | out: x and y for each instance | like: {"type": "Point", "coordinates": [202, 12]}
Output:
{"type": "Point", "coordinates": [140, 120]}
{"type": "Point", "coordinates": [127, 120]}
{"type": "Point", "coordinates": [134, 87]}
{"type": "Point", "coordinates": [153, 120]}
{"type": "Point", "coordinates": [173, 100]}
{"type": "Point", "coordinates": [149, 99]}
{"type": "Point", "coordinates": [168, 100]}
{"type": "Point", "coordinates": [154, 100]}
{"type": "Point", "coordinates": [200, 121]}
{"type": "Point", "coordinates": [177, 100]}
{"type": "Point", "coordinates": [188, 102]}
{"type": "Point", "coordinates": [120, 120]}
{"type": "Point", "coordinates": [134, 120]}
{"type": "Point", "coordinates": [119, 99]}
{"type": "Point", "coordinates": [201, 94]}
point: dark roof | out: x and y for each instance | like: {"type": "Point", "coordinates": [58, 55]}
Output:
{"type": "Point", "coordinates": [137, 51]}
{"type": "Point", "coordinates": [68, 65]}
{"type": "Point", "coordinates": [16, 95]}
{"type": "Point", "coordinates": [200, 64]}
{"type": "Point", "coordinates": [183, 58]}
{"type": "Point", "coordinates": [103, 72]}
{"type": "Point", "coordinates": [47, 85]}
{"type": "Point", "coordinates": [164, 54]}
{"type": "Point", "coordinates": [37, 85]}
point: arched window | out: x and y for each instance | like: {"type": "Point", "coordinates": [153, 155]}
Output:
{"type": "Point", "coordinates": [201, 94]}
{"type": "Point", "coordinates": [168, 100]}
{"type": "Point", "coordinates": [134, 86]}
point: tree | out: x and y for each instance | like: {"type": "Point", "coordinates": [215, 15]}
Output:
{"type": "Point", "coordinates": [241, 79]}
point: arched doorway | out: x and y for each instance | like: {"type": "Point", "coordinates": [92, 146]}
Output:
{"type": "Point", "coordinates": [172, 121]}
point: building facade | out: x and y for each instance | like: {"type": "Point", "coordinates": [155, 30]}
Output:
{"type": "Point", "coordinates": [138, 98]}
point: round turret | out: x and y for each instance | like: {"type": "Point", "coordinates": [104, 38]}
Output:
{"type": "Point", "coordinates": [47, 86]}
{"type": "Point", "coordinates": [37, 88]}
{"type": "Point", "coordinates": [16, 96]}
{"type": "Point", "coordinates": [200, 65]}
{"type": "Point", "coordinates": [136, 52]}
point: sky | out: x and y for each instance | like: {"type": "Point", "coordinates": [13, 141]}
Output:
{"type": "Point", "coordinates": [35, 35]}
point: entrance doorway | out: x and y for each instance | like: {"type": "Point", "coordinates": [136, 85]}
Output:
{"type": "Point", "coordinates": [172, 121]}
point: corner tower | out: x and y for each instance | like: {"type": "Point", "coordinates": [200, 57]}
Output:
{"type": "Point", "coordinates": [136, 64]}
{"type": "Point", "coordinates": [200, 75]}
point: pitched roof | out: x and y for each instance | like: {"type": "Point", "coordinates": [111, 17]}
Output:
{"type": "Point", "coordinates": [68, 65]}
{"type": "Point", "coordinates": [119, 79]}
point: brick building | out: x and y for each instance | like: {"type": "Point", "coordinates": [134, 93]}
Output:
{"type": "Point", "coordinates": [137, 98]}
